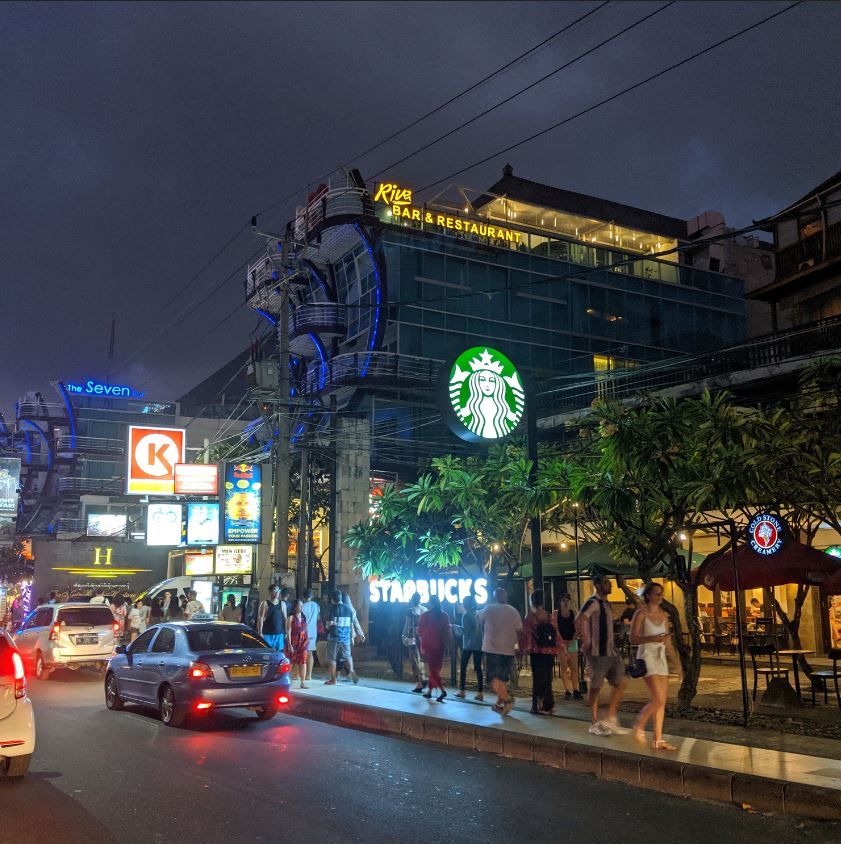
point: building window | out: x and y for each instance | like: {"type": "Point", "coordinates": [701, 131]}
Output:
{"type": "Point", "coordinates": [603, 366]}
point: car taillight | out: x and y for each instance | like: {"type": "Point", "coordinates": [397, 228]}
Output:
{"type": "Point", "coordinates": [116, 628]}
{"type": "Point", "coordinates": [283, 699]}
{"type": "Point", "coordinates": [202, 705]}
{"type": "Point", "coordinates": [20, 677]}
{"type": "Point", "coordinates": [55, 631]}
{"type": "Point", "coordinates": [199, 671]}
{"type": "Point", "coordinates": [283, 668]}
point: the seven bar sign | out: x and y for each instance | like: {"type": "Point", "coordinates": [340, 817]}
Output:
{"type": "Point", "coordinates": [196, 478]}
{"type": "Point", "coordinates": [152, 455]}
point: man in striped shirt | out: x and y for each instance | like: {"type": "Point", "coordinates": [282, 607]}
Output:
{"type": "Point", "coordinates": [595, 626]}
{"type": "Point", "coordinates": [339, 633]}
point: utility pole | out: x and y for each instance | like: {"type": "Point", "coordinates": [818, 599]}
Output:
{"type": "Point", "coordinates": [302, 573]}
{"type": "Point", "coordinates": [282, 458]}
{"type": "Point", "coordinates": [332, 547]}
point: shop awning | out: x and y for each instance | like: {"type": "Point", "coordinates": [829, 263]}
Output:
{"type": "Point", "coordinates": [793, 563]}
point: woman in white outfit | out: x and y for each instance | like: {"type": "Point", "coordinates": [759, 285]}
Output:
{"type": "Point", "coordinates": [650, 633]}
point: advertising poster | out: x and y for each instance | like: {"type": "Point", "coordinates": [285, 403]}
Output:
{"type": "Point", "coordinates": [203, 523]}
{"type": "Point", "coordinates": [243, 502]}
{"type": "Point", "coordinates": [107, 524]}
{"type": "Point", "coordinates": [9, 483]}
{"type": "Point", "coordinates": [196, 478]}
{"type": "Point", "coordinates": [234, 559]}
{"type": "Point", "coordinates": [163, 524]}
{"type": "Point", "coordinates": [198, 563]}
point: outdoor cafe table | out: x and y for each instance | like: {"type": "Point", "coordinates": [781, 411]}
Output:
{"type": "Point", "coordinates": [794, 653]}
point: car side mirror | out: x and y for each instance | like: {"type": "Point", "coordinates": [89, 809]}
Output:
{"type": "Point", "coordinates": [120, 649]}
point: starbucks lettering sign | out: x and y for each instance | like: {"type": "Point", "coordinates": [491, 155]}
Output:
{"type": "Point", "coordinates": [482, 395]}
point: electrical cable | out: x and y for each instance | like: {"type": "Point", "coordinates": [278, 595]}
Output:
{"type": "Point", "coordinates": [514, 96]}
{"type": "Point", "coordinates": [613, 97]}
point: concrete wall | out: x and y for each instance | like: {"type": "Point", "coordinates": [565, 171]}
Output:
{"type": "Point", "coordinates": [353, 482]}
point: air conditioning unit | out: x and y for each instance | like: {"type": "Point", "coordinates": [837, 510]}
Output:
{"type": "Point", "coordinates": [805, 265]}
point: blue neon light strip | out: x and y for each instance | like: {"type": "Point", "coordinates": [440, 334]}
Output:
{"type": "Point", "coordinates": [71, 416]}
{"type": "Point", "coordinates": [271, 319]}
{"type": "Point", "coordinates": [322, 353]}
{"type": "Point", "coordinates": [373, 336]}
{"type": "Point", "coordinates": [43, 437]}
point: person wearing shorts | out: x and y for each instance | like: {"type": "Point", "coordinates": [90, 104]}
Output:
{"type": "Point", "coordinates": [339, 630]}
{"type": "Point", "coordinates": [502, 626]}
{"type": "Point", "coordinates": [595, 624]}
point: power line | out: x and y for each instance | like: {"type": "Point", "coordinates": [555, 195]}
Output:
{"type": "Point", "coordinates": [513, 96]}
{"type": "Point", "coordinates": [613, 97]}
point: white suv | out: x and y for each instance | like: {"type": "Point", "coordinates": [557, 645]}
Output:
{"type": "Point", "coordinates": [70, 635]}
{"type": "Point", "coordinates": [17, 722]}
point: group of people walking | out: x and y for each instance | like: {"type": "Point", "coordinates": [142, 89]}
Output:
{"type": "Point", "coordinates": [292, 625]}
{"type": "Point", "coordinates": [492, 637]}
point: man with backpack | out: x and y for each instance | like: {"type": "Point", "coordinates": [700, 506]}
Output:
{"type": "Point", "coordinates": [540, 640]}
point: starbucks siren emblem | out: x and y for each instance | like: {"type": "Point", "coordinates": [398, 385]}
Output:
{"type": "Point", "coordinates": [486, 393]}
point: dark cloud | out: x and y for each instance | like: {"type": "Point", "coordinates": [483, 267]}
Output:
{"type": "Point", "coordinates": [136, 138]}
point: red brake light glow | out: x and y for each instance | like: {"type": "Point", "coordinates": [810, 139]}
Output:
{"type": "Point", "coordinates": [283, 699]}
{"type": "Point", "coordinates": [199, 671]}
{"type": "Point", "coordinates": [55, 631]}
{"type": "Point", "coordinates": [20, 678]}
{"type": "Point", "coordinates": [116, 628]}
{"type": "Point", "coordinates": [202, 706]}
{"type": "Point", "coordinates": [284, 668]}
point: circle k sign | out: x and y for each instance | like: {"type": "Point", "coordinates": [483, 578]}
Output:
{"type": "Point", "coordinates": [765, 534]}
{"type": "Point", "coordinates": [152, 455]}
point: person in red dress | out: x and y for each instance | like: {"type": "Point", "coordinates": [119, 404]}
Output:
{"type": "Point", "coordinates": [434, 634]}
{"type": "Point", "coordinates": [296, 642]}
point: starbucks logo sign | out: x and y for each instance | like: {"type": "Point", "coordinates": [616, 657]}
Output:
{"type": "Point", "coordinates": [485, 397]}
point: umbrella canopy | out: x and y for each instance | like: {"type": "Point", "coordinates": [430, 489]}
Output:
{"type": "Point", "coordinates": [793, 563]}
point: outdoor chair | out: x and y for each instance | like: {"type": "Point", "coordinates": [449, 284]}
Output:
{"type": "Point", "coordinates": [820, 679]}
{"type": "Point", "coordinates": [773, 670]}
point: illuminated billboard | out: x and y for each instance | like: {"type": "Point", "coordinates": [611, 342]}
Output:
{"type": "Point", "coordinates": [163, 523]}
{"type": "Point", "coordinates": [9, 483]}
{"type": "Point", "coordinates": [203, 523]}
{"type": "Point", "coordinates": [243, 502]}
{"type": "Point", "coordinates": [152, 455]}
{"type": "Point", "coordinates": [107, 524]}
{"type": "Point", "coordinates": [196, 478]}
{"type": "Point", "coordinates": [234, 559]}
{"type": "Point", "coordinates": [196, 563]}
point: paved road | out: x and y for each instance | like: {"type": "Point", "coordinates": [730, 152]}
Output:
{"type": "Point", "coordinates": [100, 776]}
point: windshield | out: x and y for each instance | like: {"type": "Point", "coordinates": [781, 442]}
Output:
{"type": "Point", "coordinates": [223, 638]}
{"type": "Point", "coordinates": [84, 616]}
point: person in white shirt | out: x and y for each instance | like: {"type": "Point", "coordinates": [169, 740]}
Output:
{"type": "Point", "coordinates": [99, 598]}
{"type": "Point", "coordinates": [502, 626]}
{"type": "Point", "coordinates": [193, 606]}
{"type": "Point", "coordinates": [311, 613]}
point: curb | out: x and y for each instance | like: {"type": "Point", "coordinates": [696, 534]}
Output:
{"type": "Point", "coordinates": [663, 775]}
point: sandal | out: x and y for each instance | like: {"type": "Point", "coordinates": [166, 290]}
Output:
{"type": "Point", "coordinates": [662, 745]}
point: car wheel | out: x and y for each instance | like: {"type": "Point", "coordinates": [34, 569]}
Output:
{"type": "Point", "coordinates": [41, 670]}
{"type": "Point", "coordinates": [17, 766]}
{"type": "Point", "coordinates": [171, 714]}
{"type": "Point", "coordinates": [266, 713]}
{"type": "Point", "coordinates": [112, 694]}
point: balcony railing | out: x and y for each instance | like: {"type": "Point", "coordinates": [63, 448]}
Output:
{"type": "Point", "coordinates": [322, 317]}
{"type": "Point", "coordinates": [91, 445]}
{"type": "Point", "coordinates": [809, 252]}
{"type": "Point", "coordinates": [774, 349]}
{"type": "Point", "coordinates": [39, 410]}
{"type": "Point", "coordinates": [335, 205]}
{"type": "Point", "coordinates": [91, 486]}
{"type": "Point", "coordinates": [375, 368]}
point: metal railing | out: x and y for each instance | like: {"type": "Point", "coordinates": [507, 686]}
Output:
{"type": "Point", "coordinates": [318, 316]}
{"type": "Point", "coordinates": [374, 367]}
{"type": "Point", "coordinates": [89, 486]}
{"type": "Point", "coordinates": [102, 445]}
{"type": "Point", "coordinates": [39, 410]}
{"type": "Point", "coordinates": [773, 349]}
{"type": "Point", "coordinates": [70, 525]}
{"type": "Point", "coordinates": [809, 251]}
{"type": "Point", "coordinates": [348, 200]}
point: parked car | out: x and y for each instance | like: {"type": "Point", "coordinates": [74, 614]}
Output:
{"type": "Point", "coordinates": [17, 720]}
{"type": "Point", "coordinates": [70, 635]}
{"type": "Point", "coordinates": [189, 667]}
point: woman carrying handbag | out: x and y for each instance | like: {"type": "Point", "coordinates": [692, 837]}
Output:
{"type": "Point", "coordinates": [650, 633]}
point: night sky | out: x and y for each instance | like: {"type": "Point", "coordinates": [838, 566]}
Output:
{"type": "Point", "coordinates": [136, 139]}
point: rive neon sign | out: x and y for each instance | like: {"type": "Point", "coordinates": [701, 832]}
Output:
{"type": "Point", "coordinates": [450, 590]}
{"type": "Point", "coordinates": [95, 388]}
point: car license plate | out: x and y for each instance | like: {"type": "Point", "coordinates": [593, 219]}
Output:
{"type": "Point", "coordinates": [245, 671]}
{"type": "Point", "coordinates": [87, 640]}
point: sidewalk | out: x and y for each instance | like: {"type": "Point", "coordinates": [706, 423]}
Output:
{"type": "Point", "coordinates": [747, 776]}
